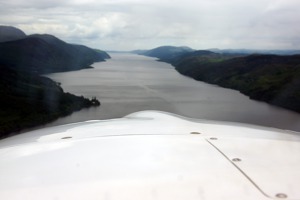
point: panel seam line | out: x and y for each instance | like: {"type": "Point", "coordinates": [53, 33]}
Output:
{"type": "Point", "coordinates": [240, 170]}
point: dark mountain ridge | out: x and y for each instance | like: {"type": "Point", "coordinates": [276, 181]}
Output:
{"type": "Point", "coordinates": [46, 54]}
{"type": "Point", "coordinates": [265, 77]}
{"type": "Point", "coordinates": [9, 33]}
{"type": "Point", "coordinates": [27, 99]}
{"type": "Point", "coordinates": [166, 53]}
{"type": "Point", "coordinates": [256, 51]}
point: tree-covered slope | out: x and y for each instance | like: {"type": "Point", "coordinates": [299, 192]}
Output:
{"type": "Point", "coordinates": [28, 100]}
{"type": "Point", "coordinates": [270, 78]}
{"type": "Point", "coordinates": [46, 53]}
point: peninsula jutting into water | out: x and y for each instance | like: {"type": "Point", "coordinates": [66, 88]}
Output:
{"type": "Point", "coordinates": [27, 99]}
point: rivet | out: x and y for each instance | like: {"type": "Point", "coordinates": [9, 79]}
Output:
{"type": "Point", "coordinates": [64, 138]}
{"type": "Point", "coordinates": [213, 138]}
{"type": "Point", "coordinates": [281, 195]}
{"type": "Point", "coordinates": [236, 160]}
{"type": "Point", "coordinates": [195, 133]}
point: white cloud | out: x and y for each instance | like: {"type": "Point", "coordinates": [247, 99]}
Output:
{"type": "Point", "coordinates": [130, 24]}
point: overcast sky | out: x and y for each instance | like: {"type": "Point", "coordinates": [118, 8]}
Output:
{"type": "Point", "coordinates": [145, 24]}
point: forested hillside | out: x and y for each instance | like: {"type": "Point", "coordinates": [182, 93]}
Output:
{"type": "Point", "coordinates": [270, 78]}
{"type": "Point", "coordinates": [27, 99]}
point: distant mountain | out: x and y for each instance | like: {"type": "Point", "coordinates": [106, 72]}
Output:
{"type": "Point", "coordinates": [270, 78]}
{"type": "Point", "coordinates": [46, 53]}
{"type": "Point", "coordinates": [198, 56]}
{"type": "Point", "coordinates": [139, 51]}
{"type": "Point", "coordinates": [253, 51]}
{"type": "Point", "coordinates": [165, 53]}
{"type": "Point", "coordinates": [9, 33]}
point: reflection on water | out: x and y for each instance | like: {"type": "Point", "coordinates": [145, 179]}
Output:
{"type": "Point", "coordinates": [128, 83]}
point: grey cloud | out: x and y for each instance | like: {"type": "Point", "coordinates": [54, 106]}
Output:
{"type": "Point", "coordinates": [129, 24]}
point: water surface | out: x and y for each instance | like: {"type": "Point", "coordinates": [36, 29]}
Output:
{"type": "Point", "coordinates": [128, 83]}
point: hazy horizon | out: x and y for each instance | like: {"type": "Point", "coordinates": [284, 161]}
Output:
{"type": "Point", "coordinates": [126, 25]}
{"type": "Point", "coordinates": [114, 50]}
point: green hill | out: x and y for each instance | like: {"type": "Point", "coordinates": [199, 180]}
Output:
{"type": "Point", "coordinates": [270, 78]}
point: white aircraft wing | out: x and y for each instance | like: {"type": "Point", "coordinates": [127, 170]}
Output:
{"type": "Point", "coordinates": [151, 155]}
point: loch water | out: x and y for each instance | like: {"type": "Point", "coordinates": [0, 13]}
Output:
{"type": "Point", "coordinates": [128, 83]}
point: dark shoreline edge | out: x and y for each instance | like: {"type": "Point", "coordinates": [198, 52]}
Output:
{"type": "Point", "coordinates": [274, 79]}
{"type": "Point", "coordinates": [29, 100]}
{"type": "Point", "coordinates": [268, 78]}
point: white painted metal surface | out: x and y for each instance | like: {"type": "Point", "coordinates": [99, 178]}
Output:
{"type": "Point", "coordinates": [151, 155]}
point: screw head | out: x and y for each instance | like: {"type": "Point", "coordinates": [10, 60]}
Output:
{"type": "Point", "coordinates": [281, 195]}
{"type": "Point", "coordinates": [236, 160]}
{"type": "Point", "coordinates": [195, 133]}
{"type": "Point", "coordinates": [64, 138]}
{"type": "Point", "coordinates": [213, 138]}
